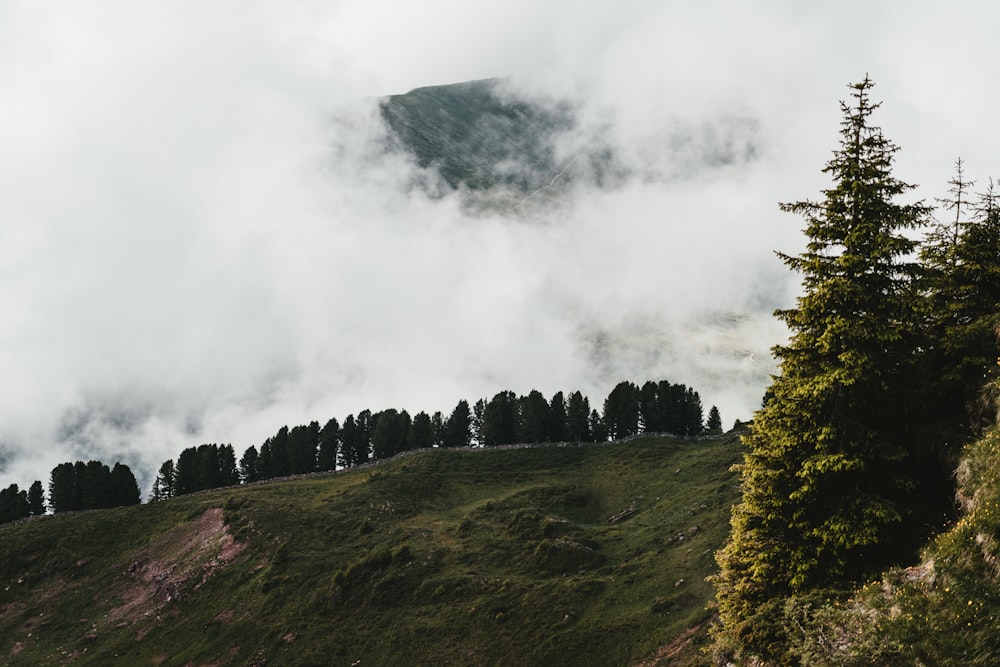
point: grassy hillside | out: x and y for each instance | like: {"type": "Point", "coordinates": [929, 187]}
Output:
{"type": "Point", "coordinates": [479, 557]}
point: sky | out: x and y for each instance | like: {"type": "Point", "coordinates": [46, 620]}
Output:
{"type": "Point", "coordinates": [199, 243]}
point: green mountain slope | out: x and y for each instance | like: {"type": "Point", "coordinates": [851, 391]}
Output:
{"type": "Point", "coordinates": [500, 144]}
{"type": "Point", "coordinates": [478, 137]}
{"type": "Point", "coordinates": [582, 555]}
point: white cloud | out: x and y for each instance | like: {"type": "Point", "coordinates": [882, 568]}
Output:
{"type": "Point", "coordinates": [197, 243]}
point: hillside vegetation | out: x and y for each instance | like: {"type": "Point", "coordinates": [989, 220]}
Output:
{"type": "Point", "coordinates": [583, 555]}
{"type": "Point", "coordinates": [847, 470]}
{"type": "Point", "coordinates": [944, 611]}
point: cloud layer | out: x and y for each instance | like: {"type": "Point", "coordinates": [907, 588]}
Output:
{"type": "Point", "coordinates": [199, 241]}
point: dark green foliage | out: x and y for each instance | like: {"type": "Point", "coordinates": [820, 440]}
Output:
{"type": "Point", "coordinates": [961, 285]}
{"type": "Point", "coordinates": [478, 413]}
{"type": "Point", "coordinates": [824, 476]}
{"type": "Point", "coordinates": [421, 433]}
{"type": "Point", "coordinates": [942, 612]}
{"type": "Point", "coordinates": [500, 420]}
{"type": "Point", "coordinates": [303, 445]}
{"type": "Point", "coordinates": [578, 418]}
{"type": "Point", "coordinates": [621, 410]}
{"type": "Point", "coordinates": [186, 472]}
{"type": "Point", "coordinates": [14, 504]}
{"type": "Point", "coordinates": [279, 453]}
{"type": "Point", "coordinates": [63, 495]}
{"type": "Point", "coordinates": [458, 430]}
{"type": "Point", "coordinates": [598, 429]}
{"type": "Point", "coordinates": [250, 465]}
{"type": "Point", "coordinates": [438, 426]}
{"type": "Point", "coordinates": [557, 418]}
{"type": "Point", "coordinates": [124, 490]}
{"type": "Point", "coordinates": [651, 409]}
{"type": "Point", "coordinates": [264, 461]}
{"type": "Point", "coordinates": [391, 436]}
{"type": "Point", "coordinates": [91, 485]}
{"type": "Point", "coordinates": [365, 432]}
{"type": "Point", "coordinates": [228, 472]}
{"type": "Point", "coordinates": [165, 483]}
{"type": "Point", "coordinates": [714, 423]}
{"type": "Point", "coordinates": [36, 498]}
{"type": "Point", "coordinates": [329, 446]}
{"type": "Point", "coordinates": [203, 467]}
{"type": "Point", "coordinates": [506, 419]}
{"type": "Point", "coordinates": [533, 423]}
{"type": "Point", "coordinates": [354, 443]}
{"type": "Point", "coordinates": [670, 408]}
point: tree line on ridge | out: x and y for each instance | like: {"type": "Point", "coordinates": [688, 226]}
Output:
{"type": "Point", "coordinates": [655, 407]}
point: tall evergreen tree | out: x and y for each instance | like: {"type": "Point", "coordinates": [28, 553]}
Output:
{"type": "Point", "coordinates": [207, 471]}
{"type": "Point", "coordinates": [165, 479]}
{"type": "Point", "coordinates": [95, 489]}
{"type": "Point", "coordinates": [439, 427]}
{"type": "Point", "coordinates": [557, 418]}
{"type": "Point", "coordinates": [186, 474]}
{"type": "Point", "coordinates": [91, 485]}
{"type": "Point", "coordinates": [422, 432]}
{"type": "Point", "coordinates": [14, 504]}
{"type": "Point", "coordinates": [391, 432]}
{"type": "Point", "coordinates": [823, 478]}
{"type": "Point", "coordinates": [961, 261]}
{"type": "Point", "coordinates": [303, 444]}
{"type": "Point", "coordinates": [354, 443]}
{"type": "Point", "coordinates": [63, 493]}
{"type": "Point", "coordinates": [578, 418]}
{"type": "Point", "coordinates": [500, 420]}
{"type": "Point", "coordinates": [478, 414]}
{"type": "Point", "coordinates": [366, 432]}
{"type": "Point", "coordinates": [693, 413]}
{"type": "Point", "coordinates": [279, 453]}
{"type": "Point", "coordinates": [265, 469]}
{"type": "Point", "coordinates": [229, 474]}
{"type": "Point", "coordinates": [597, 428]}
{"type": "Point", "coordinates": [650, 412]}
{"type": "Point", "coordinates": [250, 465]}
{"type": "Point", "coordinates": [621, 410]}
{"type": "Point", "coordinates": [458, 429]}
{"type": "Point", "coordinates": [124, 490]}
{"type": "Point", "coordinates": [329, 445]}
{"type": "Point", "coordinates": [714, 422]}
{"type": "Point", "coordinates": [534, 421]}
{"type": "Point", "coordinates": [36, 498]}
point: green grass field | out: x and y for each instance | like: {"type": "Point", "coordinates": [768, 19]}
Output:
{"type": "Point", "coordinates": [480, 557]}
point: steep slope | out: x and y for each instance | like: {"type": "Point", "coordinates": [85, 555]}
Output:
{"type": "Point", "coordinates": [945, 611]}
{"type": "Point", "coordinates": [586, 555]}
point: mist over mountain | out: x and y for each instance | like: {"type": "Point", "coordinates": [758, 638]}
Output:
{"type": "Point", "coordinates": [217, 220]}
{"type": "Point", "coordinates": [505, 148]}
{"type": "Point", "coordinates": [523, 231]}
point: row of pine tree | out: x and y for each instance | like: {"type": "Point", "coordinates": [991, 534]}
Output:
{"type": "Point", "coordinates": [656, 407]}
{"type": "Point", "coordinates": [72, 487]}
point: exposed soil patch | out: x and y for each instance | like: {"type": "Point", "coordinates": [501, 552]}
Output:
{"type": "Point", "coordinates": [667, 653]}
{"type": "Point", "coordinates": [180, 561]}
